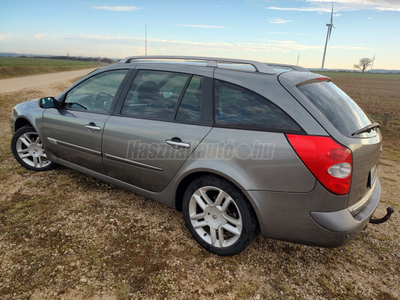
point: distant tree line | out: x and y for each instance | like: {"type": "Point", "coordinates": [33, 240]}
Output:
{"type": "Point", "coordinates": [104, 60]}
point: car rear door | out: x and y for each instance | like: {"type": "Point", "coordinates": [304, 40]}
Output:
{"type": "Point", "coordinates": [347, 123]}
{"type": "Point", "coordinates": [73, 133]}
{"type": "Point", "coordinates": [163, 118]}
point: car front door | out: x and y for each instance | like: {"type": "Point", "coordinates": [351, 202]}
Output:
{"type": "Point", "coordinates": [162, 120]}
{"type": "Point", "coordinates": [73, 133]}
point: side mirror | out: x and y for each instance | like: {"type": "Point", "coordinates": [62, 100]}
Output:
{"type": "Point", "coordinates": [48, 102]}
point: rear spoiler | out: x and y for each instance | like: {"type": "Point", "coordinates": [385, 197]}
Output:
{"type": "Point", "coordinates": [313, 80]}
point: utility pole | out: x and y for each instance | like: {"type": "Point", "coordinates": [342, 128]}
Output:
{"type": "Point", "coordinates": [145, 39]}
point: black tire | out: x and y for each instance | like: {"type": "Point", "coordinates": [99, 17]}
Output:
{"type": "Point", "coordinates": [27, 149]}
{"type": "Point", "coordinates": [219, 216]}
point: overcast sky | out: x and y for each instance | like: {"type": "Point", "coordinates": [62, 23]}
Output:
{"type": "Point", "coordinates": [266, 30]}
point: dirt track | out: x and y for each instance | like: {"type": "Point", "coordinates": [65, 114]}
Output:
{"type": "Point", "coordinates": [38, 82]}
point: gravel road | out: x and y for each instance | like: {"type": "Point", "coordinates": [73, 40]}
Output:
{"type": "Point", "coordinates": [45, 81]}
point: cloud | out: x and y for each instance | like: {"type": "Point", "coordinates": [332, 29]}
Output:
{"type": "Point", "coordinates": [281, 42]}
{"type": "Point", "coordinates": [294, 33]}
{"type": "Point", "coordinates": [357, 48]}
{"type": "Point", "coordinates": [279, 21]}
{"type": "Point", "coordinates": [387, 8]}
{"type": "Point", "coordinates": [122, 46]}
{"type": "Point", "coordinates": [311, 9]}
{"type": "Point", "coordinates": [322, 6]}
{"type": "Point", "coordinates": [117, 8]}
{"type": "Point", "coordinates": [268, 46]}
{"type": "Point", "coordinates": [202, 26]}
{"type": "Point", "coordinates": [93, 43]}
{"type": "Point", "coordinates": [39, 35]}
{"type": "Point", "coordinates": [3, 36]}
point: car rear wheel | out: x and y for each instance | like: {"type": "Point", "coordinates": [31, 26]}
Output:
{"type": "Point", "coordinates": [219, 216]}
{"type": "Point", "coordinates": [27, 148]}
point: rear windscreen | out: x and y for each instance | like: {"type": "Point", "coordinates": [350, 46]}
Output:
{"type": "Point", "coordinates": [337, 107]}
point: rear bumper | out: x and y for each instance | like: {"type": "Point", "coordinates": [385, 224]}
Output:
{"type": "Point", "coordinates": [287, 216]}
{"type": "Point", "coordinates": [343, 220]}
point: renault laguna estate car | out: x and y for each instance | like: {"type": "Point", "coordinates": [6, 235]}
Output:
{"type": "Point", "coordinates": [239, 146]}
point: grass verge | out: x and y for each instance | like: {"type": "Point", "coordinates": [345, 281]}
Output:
{"type": "Point", "coordinates": [19, 66]}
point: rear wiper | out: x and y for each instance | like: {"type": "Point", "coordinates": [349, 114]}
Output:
{"type": "Point", "coordinates": [366, 128]}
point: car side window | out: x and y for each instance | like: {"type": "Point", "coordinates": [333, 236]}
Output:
{"type": "Point", "coordinates": [154, 94]}
{"type": "Point", "coordinates": [238, 107]}
{"type": "Point", "coordinates": [189, 109]}
{"type": "Point", "coordinates": [96, 93]}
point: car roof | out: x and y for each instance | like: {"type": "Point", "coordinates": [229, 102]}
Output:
{"type": "Point", "coordinates": [230, 63]}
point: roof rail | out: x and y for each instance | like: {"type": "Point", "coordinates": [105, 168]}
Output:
{"type": "Point", "coordinates": [211, 61]}
{"type": "Point", "coordinates": [288, 67]}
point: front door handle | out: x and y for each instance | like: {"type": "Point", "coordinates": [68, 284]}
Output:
{"type": "Point", "coordinates": [177, 143]}
{"type": "Point", "coordinates": [92, 127]}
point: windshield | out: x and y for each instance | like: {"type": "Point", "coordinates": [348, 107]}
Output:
{"type": "Point", "coordinates": [337, 107]}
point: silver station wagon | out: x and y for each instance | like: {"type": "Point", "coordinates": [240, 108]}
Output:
{"type": "Point", "coordinates": [238, 146]}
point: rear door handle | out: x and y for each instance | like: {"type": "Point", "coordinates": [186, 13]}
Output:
{"type": "Point", "coordinates": [179, 144]}
{"type": "Point", "coordinates": [92, 127]}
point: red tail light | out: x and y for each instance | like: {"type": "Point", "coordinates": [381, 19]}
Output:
{"type": "Point", "coordinates": [330, 162]}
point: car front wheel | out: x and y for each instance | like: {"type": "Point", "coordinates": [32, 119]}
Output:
{"type": "Point", "coordinates": [219, 216]}
{"type": "Point", "coordinates": [27, 148]}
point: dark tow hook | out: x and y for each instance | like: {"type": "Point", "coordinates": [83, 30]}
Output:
{"type": "Point", "coordinates": [389, 210]}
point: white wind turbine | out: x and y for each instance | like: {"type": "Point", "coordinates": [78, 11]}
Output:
{"type": "Point", "coordinates": [328, 36]}
{"type": "Point", "coordinates": [373, 60]}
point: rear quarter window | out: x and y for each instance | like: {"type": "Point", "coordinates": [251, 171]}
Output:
{"type": "Point", "coordinates": [336, 106]}
{"type": "Point", "coordinates": [241, 108]}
